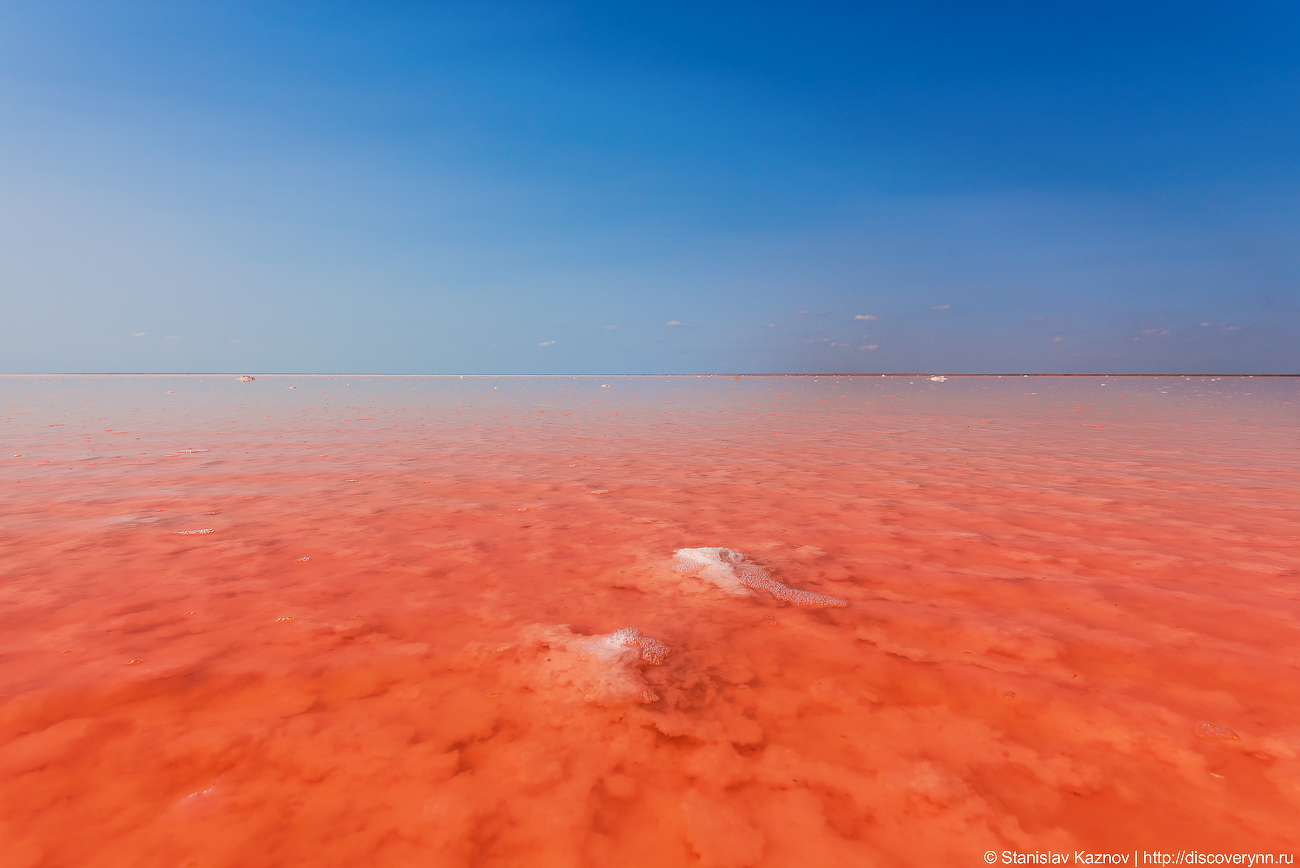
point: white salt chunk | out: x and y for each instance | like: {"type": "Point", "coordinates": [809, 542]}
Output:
{"type": "Point", "coordinates": [731, 572]}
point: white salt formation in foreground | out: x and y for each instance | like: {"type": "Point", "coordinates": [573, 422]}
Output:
{"type": "Point", "coordinates": [730, 571]}
{"type": "Point", "coordinates": [602, 668]}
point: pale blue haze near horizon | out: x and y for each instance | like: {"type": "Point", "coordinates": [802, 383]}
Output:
{"type": "Point", "coordinates": [401, 187]}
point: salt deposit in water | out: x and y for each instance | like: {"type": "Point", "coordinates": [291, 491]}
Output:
{"type": "Point", "coordinates": [604, 669]}
{"type": "Point", "coordinates": [730, 571]}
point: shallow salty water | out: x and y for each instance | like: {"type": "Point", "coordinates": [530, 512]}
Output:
{"type": "Point", "coordinates": [442, 621]}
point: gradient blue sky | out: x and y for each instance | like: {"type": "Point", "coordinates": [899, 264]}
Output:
{"type": "Point", "coordinates": [660, 187]}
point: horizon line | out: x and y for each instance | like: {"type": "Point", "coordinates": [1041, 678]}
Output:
{"type": "Point", "coordinates": [705, 374]}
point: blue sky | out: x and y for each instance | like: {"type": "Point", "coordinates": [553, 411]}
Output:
{"type": "Point", "coordinates": [591, 187]}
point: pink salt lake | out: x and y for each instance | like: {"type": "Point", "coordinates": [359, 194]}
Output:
{"type": "Point", "coordinates": [389, 621]}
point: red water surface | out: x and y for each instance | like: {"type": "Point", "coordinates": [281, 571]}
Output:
{"type": "Point", "coordinates": [1071, 620]}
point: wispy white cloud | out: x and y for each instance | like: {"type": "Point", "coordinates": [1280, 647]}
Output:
{"type": "Point", "coordinates": [142, 334]}
{"type": "Point", "coordinates": [941, 307]}
{"type": "Point", "coordinates": [672, 322]}
{"type": "Point", "coordinates": [236, 341]}
{"type": "Point", "coordinates": [870, 347]}
{"type": "Point", "coordinates": [609, 328]}
{"type": "Point", "coordinates": [866, 316]}
{"type": "Point", "coordinates": [547, 344]}
{"type": "Point", "coordinates": [172, 338]}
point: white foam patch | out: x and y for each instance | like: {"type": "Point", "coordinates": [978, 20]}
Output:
{"type": "Point", "coordinates": [192, 532]}
{"type": "Point", "coordinates": [606, 668]}
{"type": "Point", "coordinates": [731, 572]}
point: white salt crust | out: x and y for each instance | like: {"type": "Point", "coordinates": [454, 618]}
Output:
{"type": "Point", "coordinates": [603, 668]}
{"type": "Point", "coordinates": [731, 572]}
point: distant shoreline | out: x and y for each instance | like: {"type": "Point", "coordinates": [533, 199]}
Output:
{"type": "Point", "coordinates": [712, 374]}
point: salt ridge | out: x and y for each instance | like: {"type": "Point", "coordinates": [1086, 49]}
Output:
{"type": "Point", "coordinates": [730, 571]}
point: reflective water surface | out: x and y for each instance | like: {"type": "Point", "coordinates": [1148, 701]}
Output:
{"type": "Point", "coordinates": [769, 621]}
